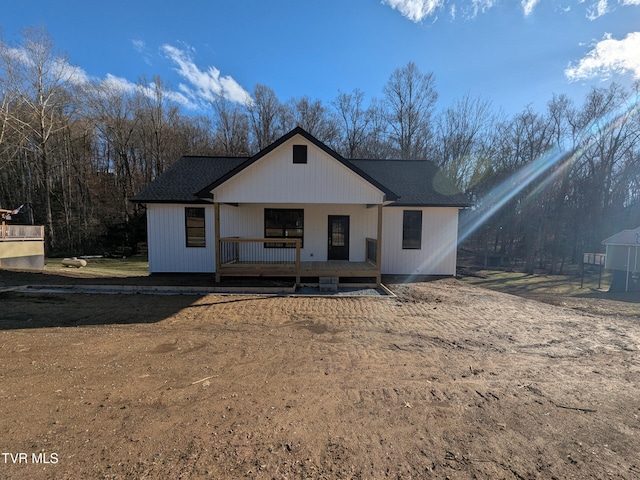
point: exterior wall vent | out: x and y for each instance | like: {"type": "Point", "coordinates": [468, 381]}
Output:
{"type": "Point", "coordinates": [299, 154]}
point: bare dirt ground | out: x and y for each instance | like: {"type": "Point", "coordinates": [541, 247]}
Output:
{"type": "Point", "coordinates": [447, 380]}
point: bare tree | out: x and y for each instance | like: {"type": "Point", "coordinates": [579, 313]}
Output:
{"type": "Point", "coordinates": [608, 141]}
{"type": "Point", "coordinates": [157, 116]}
{"type": "Point", "coordinates": [376, 144]}
{"type": "Point", "coordinates": [265, 115]}
{"type": "Point", "coordinates": [193, 136]}
{"type": "Point", "coordinates": [313, 117]}
{"type": "Point", "coordinates": [409, 100]}
{"type": "Point", "coordinates": [354, 120]}
{"type": "Point", "coordinates": [113, 112]}
{"type": "Point", "coordinates": [5, 145]}
{"type": "Point", "coordinates": [231, 128]}
{"type": "Point", "coordinates": [463, 131]}
{"type": "Point", "coordinates": [41, 79]}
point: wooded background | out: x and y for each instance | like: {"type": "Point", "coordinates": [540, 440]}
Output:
{"type": "Point", "coordinates": [546, 186]}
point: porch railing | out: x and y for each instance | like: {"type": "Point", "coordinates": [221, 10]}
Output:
{"type": "Point", "coordinates": [12, 233]}
{"type": "Point", "coordinates": [259, 252]}
{"type": "Point", "coordinates": [372, 250]}
{"type": "Point", "coordinates": [281, 257]}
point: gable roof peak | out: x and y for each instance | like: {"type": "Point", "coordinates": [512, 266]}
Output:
{"type": "Point", "coordinates": [206, 192]}
{"type": "Point", "coordinates": [298, 130]}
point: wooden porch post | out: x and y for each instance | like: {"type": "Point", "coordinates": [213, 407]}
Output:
{"type": "Point", "coordinates": [216, 213]}
{"type": "Point", "coordinates": [298, 245]}
{"type": "Point", "coordinates": [379, 247]}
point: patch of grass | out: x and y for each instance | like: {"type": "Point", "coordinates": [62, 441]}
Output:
{"type": "Point", "coordinates": [563, 290]}
{"type": "Point", "coordinates": [518, 283]}
{"type": "Point", "coordinates": [136, 266]}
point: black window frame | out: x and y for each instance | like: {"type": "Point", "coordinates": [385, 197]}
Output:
{"type": "Point", "coordinates": [299, 154]}
{"type": "Point", "coordinates": [192, 239]}
{"type": "Point", "coordinates": [412, 229]}
{"type": "Point", "coordinates": [287, 221]}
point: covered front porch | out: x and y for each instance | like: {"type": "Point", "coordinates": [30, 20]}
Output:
{"type": "Point", "coordinates": [335, 243]}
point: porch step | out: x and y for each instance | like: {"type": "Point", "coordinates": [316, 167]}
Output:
{"type": "Point", "coordinates": [328, 284]}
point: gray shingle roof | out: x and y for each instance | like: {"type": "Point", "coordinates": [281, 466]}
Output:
{"type": "Point", "coordinates": [204, 193]}
{"type": "Point", "coordinates": [627, 238]}
{"type": "Point", "coordinates": [407, 182]}
{"type": "Point", "coordinates": [185, 178]}
{"type": "Point", "coordinates": [417, 182]}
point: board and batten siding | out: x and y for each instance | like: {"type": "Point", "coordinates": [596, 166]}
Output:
{"type": "Point", "coordinates": [274, 178]}
{"type": "Point", "coordinates": [247, 221]}
{"type": "Point", "coordinates": [623, 257]}
{"type": "Point", "coordinates": [439, 242]}
{"type": "Point", "coordinates": [168, 252]}
{"type": "Point", "coordinates": [166, 238]}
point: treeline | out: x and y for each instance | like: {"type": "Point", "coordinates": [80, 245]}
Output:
{"type": "Point", "coordinates": [546, 185]}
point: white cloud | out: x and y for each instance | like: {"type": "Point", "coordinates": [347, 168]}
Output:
{"type": "Point", "coordinates": [418, 10]}
{"type": "Point", "coordinates": [415, 10]}
{"type": "Point", "coordinates": [481, 6]}
{"type": "Point", "coordinates": [61, 70]}
{"type": "Point", "coordinates": [139, 45]}
{"type": "Point", "coordinates": [75, 75]}
{"type": "Point", "coordinates": [608, 57]}
{"type": "Point", "coordinates": [528, 6]}
{"type": "Point", "coordinates": [598, 9]}
{"type": "Point", "coordinates": [19, 54]}
{"type": "Point", "coordinates": [112, 84]}
{"type": "Point", "coordinates": [181, 99]}
{"type": "Point", "coordinates": [204, 85]}
{"type": "Point", "coordinates": [118, 84]}
{"type": "Point", "coordinates": [57, 68]}
{"type": "Point", "coordinates": [150, 91]}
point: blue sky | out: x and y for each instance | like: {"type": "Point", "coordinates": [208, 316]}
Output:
{"type": "Point", "coordinates": [510, 52]}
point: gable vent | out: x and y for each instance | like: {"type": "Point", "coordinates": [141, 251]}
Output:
{"type": "Point", "coordinates": [299, 154]}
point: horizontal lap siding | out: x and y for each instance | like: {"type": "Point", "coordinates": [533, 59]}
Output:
{"type": "Point", "coordinates": [21, 248]}
{"type": "Point", "coordinates": [22, 254]}
{"type": "Point", "coordinates": [276, 179]}
{"type": "Point", "coordinates": [166, 238]}
{"type": "Point", "coordinates": [439, 242]}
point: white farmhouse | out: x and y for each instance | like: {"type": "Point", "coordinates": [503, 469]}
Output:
{"type": "Point", "coordinates": [299, 209]}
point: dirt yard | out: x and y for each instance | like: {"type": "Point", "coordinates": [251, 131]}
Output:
{"type": "Point", "coordinates": [448, 380]}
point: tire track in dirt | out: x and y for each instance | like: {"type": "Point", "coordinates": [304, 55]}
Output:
{"type": "Point", "coordinates": [445, 380]}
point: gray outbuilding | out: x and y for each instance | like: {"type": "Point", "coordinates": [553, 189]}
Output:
{"type": "Point", "coordinates": [623, 258]}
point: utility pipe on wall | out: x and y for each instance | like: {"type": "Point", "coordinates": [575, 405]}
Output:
{"type": "Point", "coordinates": [626, 288]}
